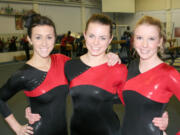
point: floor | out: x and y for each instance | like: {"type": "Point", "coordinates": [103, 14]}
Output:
{"type": "Point", "coordinates": [18, 103]}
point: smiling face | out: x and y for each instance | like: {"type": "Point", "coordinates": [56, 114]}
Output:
{"type": "Point", "coordinates": [147, 40]}
{"type": "Point", "coordinates": [42, 39]}
{"type": "Point", "coordinates": [97, 37]}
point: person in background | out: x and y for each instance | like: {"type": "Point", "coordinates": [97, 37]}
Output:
{"type": "Point", "coordinates": [2, 44]}
{"type": "Point", "coordinates": [150, 82]}
{"type": "Point", "coordinates": [25, 44]}
{"type": "Point", "coordinates": [79, 42]}
{"type": "Point", "coordinates": [12, 44]}
{"type": "Point", "coordinates": [65, 41]}
{"type": "Point", "coordinates": [124, 52]}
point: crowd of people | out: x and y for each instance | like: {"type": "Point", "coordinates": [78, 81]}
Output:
{"type": "Point", "coordinates": [144, 88]}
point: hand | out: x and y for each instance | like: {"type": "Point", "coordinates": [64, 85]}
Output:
{"type": "Point", "coordinates": [31, 117]}
{"type": "Point", "coordinates": [164, 133]}
{"type": "Point", "coordinates": [25, 130]}
{"type": "Point", "coordinates": [113, 59]}
{"type": "Point", "coordinates": [161, 122]}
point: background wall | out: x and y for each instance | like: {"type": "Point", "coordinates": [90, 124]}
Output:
{"type": "Point", "coordinates": [123, 6]}
{"type": "Point", "coordinates": [74, 17]}
{"type": "Point", "coordinates": [146, 5]}
{"type": "Point", "coordinates": [65, 17]}
{"type": "Point", "coordinates": [7, 23]}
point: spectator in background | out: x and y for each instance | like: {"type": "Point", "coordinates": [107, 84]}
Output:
{"type": "Point", "coordinates": [125, 48]}
{"type": "Point", "coordinates": [67, 39]}
{"type": "Point", "coordinates": [79, 41]}
{"type": "Point", "coordinates": [2, 44]}
{"type": "Point", "coordinates": [25, 44]}
{"type": "Point", "coordinates": [12, 44]}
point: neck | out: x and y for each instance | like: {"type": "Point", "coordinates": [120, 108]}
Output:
{"type": "Point", "coordinates": [94, 60]}
{"type": "Point", "coordinates": [148, 64]}
{"type": "Point", "coordinates": [40, 63]}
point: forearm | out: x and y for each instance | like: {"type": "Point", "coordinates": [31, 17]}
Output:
{"type": "Point", "coordinates": [13, 123]}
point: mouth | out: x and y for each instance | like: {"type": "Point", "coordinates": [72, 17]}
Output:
{"type": "Point", "coordinates": [144, 51]}
{"type": "Point", "coordinates": [44, 49]}
{"type": "Point", "coordinates": [95, 48]}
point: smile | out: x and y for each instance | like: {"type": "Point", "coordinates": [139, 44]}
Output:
{"type": "Point", "coordinates": [144, 51]}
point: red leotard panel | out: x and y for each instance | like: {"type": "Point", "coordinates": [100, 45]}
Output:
{"type": "Point", "coordinates": [157, 84]}
{"type": "Point", "coordinates": [55, 73]}
{"type": "Point", "coordinates": [107, 78]}
{"type": "Point", "coordinates": [94, 92]}
{"type": "Point", "coordinates": [146, 95]}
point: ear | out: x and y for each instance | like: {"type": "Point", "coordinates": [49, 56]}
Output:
{"type": "Point", "coordinates": [29, 40]}
{"type": "Point", "coordinates": [84, 34]}
{"type": "Point", "coordinates": [111, 39]}
{"type": "Point", "coordinates": [160, 42]}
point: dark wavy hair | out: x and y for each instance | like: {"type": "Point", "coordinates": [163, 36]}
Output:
{"type": "Point", "coordinates": [32, 19]}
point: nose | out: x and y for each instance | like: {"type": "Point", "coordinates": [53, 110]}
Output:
{"type": "Point", "coordinates": [96, 41]}
{"type": "Point", "coordinates": [145, 43]}
{"type": "Point", "coordinates": [44, 42]}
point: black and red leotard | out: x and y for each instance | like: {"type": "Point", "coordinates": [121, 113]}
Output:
{"type": "Point", "coordinates": [47, 92]}
{"type": "Point", "coordinates": [94, 91]}
{"type": "Point", "coordinates": [146, 95]}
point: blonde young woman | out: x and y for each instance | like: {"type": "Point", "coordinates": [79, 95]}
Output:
{"type": "Point", "coordinates": [150, 82]}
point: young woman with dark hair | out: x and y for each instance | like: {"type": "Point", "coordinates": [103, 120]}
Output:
{"type": "Point", "coordinates": [43, 81]}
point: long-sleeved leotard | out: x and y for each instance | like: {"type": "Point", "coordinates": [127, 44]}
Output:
{"type": "Point", "coordinates": [46, 91]}
{"type": "Point", "coordinates": [94, 91]}
{"type": "Point", "coordinates": [146, 95]}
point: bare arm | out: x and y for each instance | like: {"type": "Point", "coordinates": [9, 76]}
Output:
{"type": "Point", "coordinates": [9, 89]}
{"type": "Point", "coordinates": [18, 128]}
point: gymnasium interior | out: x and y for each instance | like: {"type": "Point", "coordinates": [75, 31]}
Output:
{"type": "Point", "coordinates": [71, 16]}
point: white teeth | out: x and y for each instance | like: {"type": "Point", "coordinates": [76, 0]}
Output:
{"type": "Point", "coordinates": [144, 51]}
{"type": "Point", "coordinates": [44, 50]}
{"type": "Point", "coordinates": [95, 48]}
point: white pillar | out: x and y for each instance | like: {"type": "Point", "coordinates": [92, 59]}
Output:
{"type": "Point", "coordinates": [169, 24]}
{"type": "Point", "coordinates": [168, 19]}
{"type": "Point", "coordinates": [83, 15]}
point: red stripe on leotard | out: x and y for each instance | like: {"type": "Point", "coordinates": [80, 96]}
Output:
{"type": "Point", "coordinates": [55, 77]}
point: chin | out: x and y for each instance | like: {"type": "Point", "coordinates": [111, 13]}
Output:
{"type": "Point", "coordinates": [145, 57]}
{"type": "Point", "coordinates": [45, 55]}
{"type": "Point", "coordinates": [96, 54]}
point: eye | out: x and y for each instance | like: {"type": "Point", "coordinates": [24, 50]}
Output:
{"type": "Point", "coordinates": [103, 38]}
{"type": "Point", "coordinates": [91, 36]}
{"type": "Point", "coordinates": [138, 37]}
{"type": "Point", "coordinates": [49, 37]}
{"type": "Point", "coordinates": [38, 37]}
{"type": "Point", "coordinates": [152, 38]}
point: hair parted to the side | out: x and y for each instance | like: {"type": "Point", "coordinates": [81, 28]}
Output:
{"type": "Point", "coordinates": [32, 19]}
{"type": "Point", "coordinates": [100, 18]}
{"type": "Point", "coordinates": [155, 22]}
